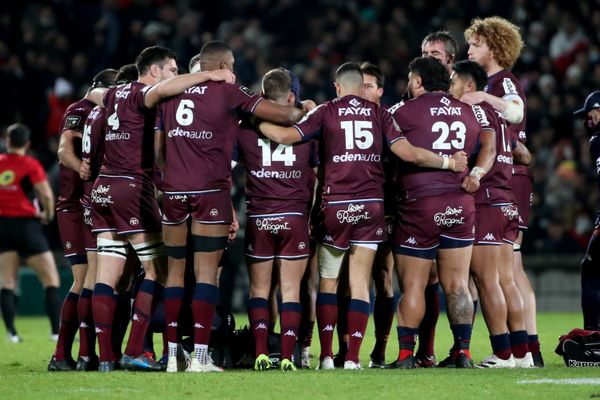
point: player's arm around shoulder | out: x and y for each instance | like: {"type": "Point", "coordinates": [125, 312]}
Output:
{"type": "Point", "coordinates": [428, 159]}
{"type": "Point", "coordinates": [280, 134]}
{"type": "Point", "coordinates": [279, 114]}
{"type": "Point", "coordinates": [178, 84]}
{"type": "Point", "coordinates": [512, 109]}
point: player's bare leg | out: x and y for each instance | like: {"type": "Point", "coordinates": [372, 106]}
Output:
{"type": "Point", "coordinates": [9, 268]}
{"type": "Point", "coordinates": [383, 308]}
{"type": "Point", "coordinates": [45, 268]}
{"type": "Point", "coordinates": [360, 262]}
{"type": "Point", "coordinates": [453, 271]}
{"type": "Point", "coordinates": [209, 242]}
{"type": "Point", "coordinates": [175, 238]}
{"type": "Point", "coordinates": [413, 275]}
{"type": "Point", "coordinates": [260, 273]}
{"type": "Point", "coordinates": [485, 272]}
{"type": "Point", "coordinates": [290, 276]}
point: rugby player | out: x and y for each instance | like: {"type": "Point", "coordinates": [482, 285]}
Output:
{"type": "Point", "coordinates": [495, 44]}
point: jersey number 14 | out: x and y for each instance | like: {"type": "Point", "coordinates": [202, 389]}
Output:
{"type": "Point", "coordinates": [283, 152]}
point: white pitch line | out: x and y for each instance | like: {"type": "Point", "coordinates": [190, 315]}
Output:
{"type": "Point", "coordinates": [578, 381]}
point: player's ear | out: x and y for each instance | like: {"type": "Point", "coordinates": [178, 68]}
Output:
{"type": "Point", "coordinates": [291, 98]}
{"type": "Point", "coordinates": [154, 70]}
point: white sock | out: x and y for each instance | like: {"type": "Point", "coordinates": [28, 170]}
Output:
{"type": "Point", "coordinates": [172, 349]}
{"type": "Point", "coordinates": [201, 353]}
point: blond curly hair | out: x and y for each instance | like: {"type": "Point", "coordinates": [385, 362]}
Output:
{"type": "Point", "coordinates": [501, 36]}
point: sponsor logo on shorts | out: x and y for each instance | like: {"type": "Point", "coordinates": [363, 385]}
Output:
{"type": "Point", "coordinates": [450, 217]}
{"type": "Point", "coordinates": [328, 238]}
{"type": "Point", "coordinates": [68, 245]}
{"type": "Point", "coordinates": [250, 247]}
{"type": "Point", "coordinates": [181, 197]}
{"type": "Point", "coordinates": [101, 195]}
{"type": "Point", "coordinates": [411, 240]}
{"type": "Point", "coordinates": [134, 221]}
{"type": "Point", "coordinates": [510, 212]}
{"type": "Point", "coordinates": [87, 216]}
{"type": "Point", "coordinates": [489, 236]}
{"type": "Point", "coordinates": [214, 212]}
{"type": "Point", "coordinates": [272, 224]}
{"type": "Point", "coordinates": [379, 232]}
{"type": "Point", "coordinates": [354, 214]}
{"type": "Point", "coordinates": [301, 246]}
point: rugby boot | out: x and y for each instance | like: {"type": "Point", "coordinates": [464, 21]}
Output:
{"type": "Point", "coordinates": [538, 360]}
{"type": "Point", "coordinates": [143, 362]}
{"type": "Point", "coordinates": [287, 365]}
{"type": "Point", "coordinates": [262, 363]}
{"type": "Point", "coordinates": [91, 364]}
{"type": "Point", "coordinates": [107, 366]}
{"type": "Point", "coordinates": [63, 365]}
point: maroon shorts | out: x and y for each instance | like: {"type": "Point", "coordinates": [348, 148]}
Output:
{"type": "Point", "coordinates": [434, 222]}
{"type": "Point", "coordinates": [348, 222]}
{"type": "Point", "coordinates": [522, 187]}
{"type": "Point", "coordinates": [496, 224]}
{"type": "Point", "coordinates": [72, 232]}
{"type": "Point", "coordinates": [90, 238]}
{"type": "Point", "coordinates": [124, 205]}
{"type": "Point", "coordinates": [283, 235]}
{"type": "Point", "coordinates": [210, 207]}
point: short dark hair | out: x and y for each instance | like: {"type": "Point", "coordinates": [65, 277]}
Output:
{"type": "Point", "coordinates": [434, 75]}
{"type": "Point", "coordinates": [153, 55]}
{"type": "Point", "coordinates": [371, 69]}
{"type": "Point", "coordinates": [348, 68]}
{"type": "Point", "coordinates": [127, 73]}
{"type": "Point", "coordinates": [450, 44]}
{"type": "Point", "coordinates": [213, 48]}
{"type": "Point", "coordinates": [19, 135]}
{"type": "Point", "coordinates": [276, 83]}
{"type": "Point", "coordinates": [104, 78]}
{"type": "Point", "coordinates": [468, 68]}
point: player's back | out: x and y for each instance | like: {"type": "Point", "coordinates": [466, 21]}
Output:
{"type": "Point", "coordinates": [279, 177]}
{"type": "Point", "coordinates": [200, 126]}
{"type": "Point", "coordinates": [352, 134]}
{"type": "Point", "coordinates": [129, 140]}
{"type": "Point", "coordinates": [439, 123]}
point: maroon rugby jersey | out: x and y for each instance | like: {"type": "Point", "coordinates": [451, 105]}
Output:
{"type": "Point", "coordinates": [129, 139]}
{"type": "Point", "coordinates": [443, 125]}
{"type": "Point", "coordinates": [93, 147]}
{"type": "Point", "coordinates": [352, 131]}
{"type": "Point", "coordinates": [505, 85]}
{"type": "Point", "coordinates": [200, 127]}
{"type": "Point", "coordinates": [495, 185]}
{"type": "Point", "coordinates": [279, 177]}
{"type": "Point", "coordinates": [71, 185]}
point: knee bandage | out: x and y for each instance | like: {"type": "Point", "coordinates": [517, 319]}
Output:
{"type": "Point", "coordinates": [207, 244]}
{"type": "Point", "coordinates": [149, 251]}
{"type": "Point", "coordinates": [113, 248]}
{"type": "Point", "coordinates": [330, 261]}
{"type": "Point", "coordinates": [516, 247]}
{"type": "Point", "coordinates": [176, 252]}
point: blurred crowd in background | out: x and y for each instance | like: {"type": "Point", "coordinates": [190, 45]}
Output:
{"type": "Point", "coordinates": [50, 50]}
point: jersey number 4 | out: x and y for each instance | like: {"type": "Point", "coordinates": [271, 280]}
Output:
{"type": "Point", "coordinates": [442, 143]}
{"type": "Point", "coordinates": [283, 152]}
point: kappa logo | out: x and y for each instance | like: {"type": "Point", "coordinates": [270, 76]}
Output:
{"type": "Point", "coordinates": [411, 240]}
{"type": "Point", "coordinates": [354, 102]}
{"type": "Point", "coordinates": [328, 328]}
{"type": "Point", "coordinates": [250, 247]}
{"type": "Point", "coordinates": [357, 334]}
{"type": "Point", "coordinates": [198, 325]}
{"type": "Point", "coordinates": [173, 324]}
{"type": "Point", "coordinates": [489, 236]}
{"type": "Point", "coordinates": [289, 332]}
{"type": "Point", "coordinates": [328, 238]}
{"type": "Point", "coordinates": [214, 212]}
{"type": "Point", "coordinates": [135, 317]}
{"type": "Point", "coordinates": [261, 325]}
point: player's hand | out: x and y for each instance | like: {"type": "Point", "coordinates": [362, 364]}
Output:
{"type": "Point", "coordinates": [470, 184]}
{"type": "Point", "coordinates": [85, 172]}
{"type": "Point", "coordinates": [460, 161]}
{"type": "Point", "coordinates": [44, 217]}
{"type": "Point", "coordinates": [308, 105]}
{"type": "Point", "coordinates": [473, 97]}
{"type": "Point", "coordinates": [221, 75]}
{"type": "Point", "coordinates": [233, 228]}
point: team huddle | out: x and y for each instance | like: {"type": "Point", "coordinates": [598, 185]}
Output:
{"type": "Point", "coordinates": [339, 195]}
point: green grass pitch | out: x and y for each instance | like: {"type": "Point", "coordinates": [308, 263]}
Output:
{"type": "Point", "coordinates": [23, 374]}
